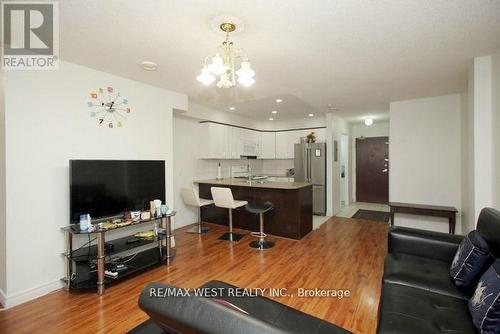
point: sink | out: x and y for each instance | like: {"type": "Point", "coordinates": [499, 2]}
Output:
{"type": "Point", "coordinates": [260, 181]}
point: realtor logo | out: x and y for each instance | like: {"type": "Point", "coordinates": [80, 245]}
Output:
{"type": "Point", "coordinates": [30, 35]}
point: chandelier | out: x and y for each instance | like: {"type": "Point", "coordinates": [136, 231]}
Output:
{"type": "Point", "coordinates": [223, 64]}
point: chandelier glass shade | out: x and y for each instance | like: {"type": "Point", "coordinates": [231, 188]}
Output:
{"type": "Point", "coordinates": [222, 66]}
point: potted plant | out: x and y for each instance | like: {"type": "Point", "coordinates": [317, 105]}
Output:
{"type": "Point", "coordinates": [311, 138]}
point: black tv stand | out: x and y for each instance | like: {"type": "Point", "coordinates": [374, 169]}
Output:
{"type": "Point", "coordinates": [133, 256]}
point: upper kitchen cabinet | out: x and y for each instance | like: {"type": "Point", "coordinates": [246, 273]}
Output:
{"type": "Point", "coordinates": [268, 146]}
{"type": "Point", "coordinates": [215, 141]}
{"type": "Point", "coordinates": [218, 141]}
{"type": "Point", "coordinates": [250, 142]}
{"type": "Point", "coordinates": [285, 141]}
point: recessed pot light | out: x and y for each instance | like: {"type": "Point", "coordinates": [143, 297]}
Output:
{"type": "Point", "coordinates": [279, 100]}
{"type": "Point", "coordinates": [271, 119]}
{"type": "Point", "coordinates": [232, 108]}
{"type": "Point", "coordinates": [311, 115]}
{"type": "Point", "coordinates": [331, 107]}
{"type": "Point", "coordinates": [274, 112]}
{"type": "Point", "coordinates": [148, 65]}
{"type": "Point", "coordinates": [369, 121]}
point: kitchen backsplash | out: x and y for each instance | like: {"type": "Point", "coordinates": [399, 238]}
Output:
{"type": "Point", "coordinates": [207, 169]}
{"type": "Point", "coordinates": [276, 167]}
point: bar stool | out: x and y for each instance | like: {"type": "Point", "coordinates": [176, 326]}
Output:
{"type": "Point", "coordinates": [260, 209]}
{"type": "Point", "coordinates": [190, 197]}
{"type": "Point", "coordinates": [223, 198]}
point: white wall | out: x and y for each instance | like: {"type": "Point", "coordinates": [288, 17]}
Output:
{"type": "Point", "coordinates": [496, 130]}
{"type": "Point", "coordinates": [47, 124]}
{"type": "Point", "coordinates": [468, 214]}
{"type": "Point", "coordinates": [185, 167]}
{"type": "Point", "coordinates": [377, 129]}
{"type": "Point", "coordinates": [335, 127]}
{"type": "Point", "coordinates": [483, 137]}
{"type": "Point", "coordinates": [3, 255]}
{"type": "Point", "coordinates": [425, 156]}
{"type": "Point", "coordinates": [482, 181]}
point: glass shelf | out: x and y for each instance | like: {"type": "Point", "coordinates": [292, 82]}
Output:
{"type": "Point", "coordinates": [89, 252]}
{"type": "Point", "coordinates": [145, 254]}
{"type": "Point", "coordinates": [145, 260]}
{"type": "Point", "coordinates": [75, 228]}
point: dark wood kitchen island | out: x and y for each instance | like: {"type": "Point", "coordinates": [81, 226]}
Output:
{"type": "Point", "coordinates": [290, 218]}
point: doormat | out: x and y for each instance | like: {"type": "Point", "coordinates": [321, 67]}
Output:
{"type": "Point", "coordinates": [379, 216]}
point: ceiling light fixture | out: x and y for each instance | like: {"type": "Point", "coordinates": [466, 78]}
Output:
{"type": "Point", "coordinates": [274, 112]}
{"type": "Point", "coordinates": [271, 119]}
{"type": "Point", "coordinates": [223, 64]}
{"type": "Point", "coordinates": [232, 108]}
{"type": "Point", "coordinates": [148, 65]}
{"type": "Point", "coordinates": [311, 115]}
{"type": "Point", "coordinates": [279, 100]}
{"type": "Point", "coordinates": [369, 121]}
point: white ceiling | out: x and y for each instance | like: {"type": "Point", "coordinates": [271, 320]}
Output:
{"type": "Point", "coordinates": [291, 107]}
{"type": "Point", "coordinates": [358, 55]}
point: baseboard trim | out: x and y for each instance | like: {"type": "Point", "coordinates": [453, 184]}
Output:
{"type": "Point", "coordinates": [24, 296]}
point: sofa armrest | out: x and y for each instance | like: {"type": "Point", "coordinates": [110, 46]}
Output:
{"type": "Point", "coordinates": [189, 315]}
{"type": "Point", "coordinates": [428, 244]}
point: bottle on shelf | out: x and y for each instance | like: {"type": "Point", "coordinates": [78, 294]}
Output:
{"type": "Point", "coordinates": [219, 172]}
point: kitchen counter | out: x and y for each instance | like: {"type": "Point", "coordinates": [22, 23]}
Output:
{"type": "Point", "coordinates": [290, 218]}
{"type": "Point", "coordinates": [255, 184]}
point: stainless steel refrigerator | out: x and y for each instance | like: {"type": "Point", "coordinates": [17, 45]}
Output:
{"type": "Point", "coordinates": [310, 166]}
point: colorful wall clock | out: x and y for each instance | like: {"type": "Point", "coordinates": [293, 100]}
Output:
{"type": "Point", "coordinates": [108, 107]}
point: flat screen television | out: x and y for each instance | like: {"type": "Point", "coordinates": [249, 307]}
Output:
{"type": "Point", "coordinates": [105, 188]}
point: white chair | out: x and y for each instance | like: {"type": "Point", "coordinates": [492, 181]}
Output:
{"type": "Point", "coordinates": [223, 198]}
{"type": "Point", "coordinates": [190, 197]}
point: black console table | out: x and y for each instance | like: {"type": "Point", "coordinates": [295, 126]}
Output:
{"type": "Point", "coordinates": [426, 210]}
{"type": "Point", "coordinates": [139, 260]}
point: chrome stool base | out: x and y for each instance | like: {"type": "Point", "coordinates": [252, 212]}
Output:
{"type": "Point", "coordinates": [230, 236]}
{"type": "Point", "coordinates": [198, 229]}
{"type": "Point", "coordinates": [258, 234]}
{"type": "Point", "coordinates": [258, 244]}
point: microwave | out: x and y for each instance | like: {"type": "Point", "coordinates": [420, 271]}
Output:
{"type": "Point", "coordinates": [249, 148]}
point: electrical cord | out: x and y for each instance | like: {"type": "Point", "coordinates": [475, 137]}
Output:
{"type": "Point", "coordinates": [85, 244]}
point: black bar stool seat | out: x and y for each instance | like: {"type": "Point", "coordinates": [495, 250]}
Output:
{"type": "Point", "coordinates": [260, 209]}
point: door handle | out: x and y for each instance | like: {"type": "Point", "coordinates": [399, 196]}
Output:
{"type": "Point", "coordinates": [385, 170]}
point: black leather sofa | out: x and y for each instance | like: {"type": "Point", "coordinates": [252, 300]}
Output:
{"type": "Point", "coordinates": [190, 315]}
{"type": "Point", "coordinates": [418, 295]}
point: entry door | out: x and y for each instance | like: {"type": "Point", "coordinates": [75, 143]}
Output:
{"type": "Point", "coordinates": [372, 170]}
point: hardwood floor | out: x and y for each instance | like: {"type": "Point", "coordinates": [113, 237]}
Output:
{"type": "Point", "coordinates": [342, 254]}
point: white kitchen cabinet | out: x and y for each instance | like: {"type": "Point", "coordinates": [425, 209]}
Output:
{"type": "Point", "coordinates": [268, 146]}
{"type": "Point", "coordinates": [245, 142]}
{"type": "Point", "coordinates": [235, 142]}
{"type": "Point", "coordinates": [218, 141]}
{"type": "Point", "coordinates": [215, 141]}
{"type": "Point", "coordinates": [285, 143]}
